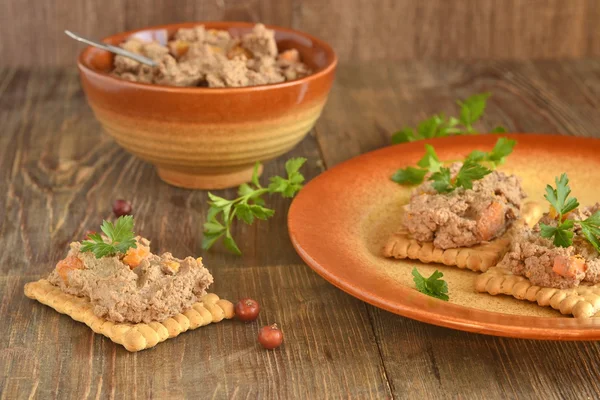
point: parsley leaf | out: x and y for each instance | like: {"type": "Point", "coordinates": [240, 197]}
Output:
{"type": "Point", "coordinates": [243, 212]}
{"type": "Point", "coordinates": [561, 203]}
{"type": "Point", "coordinates": [469, 172]}
{"type": "Point", "coordinates": [430, 128]}
{"type": "Point", "coordinates": [244, 189]}
{"type": "Point", "coordinates": [590, 228]}
{"type": "Point", "coordinates": [290, 186]}
{"type": "Point", "coordinates": [472, 109]}
{"type": "Point", "coordinates": [476, 155]}
{"type": "Point", "coordinates": [442, 181]}
{"type": "Point", "coordinates": [562, 234]}
{"type": "Point", "coordinates": [558, 197]}
{"type": "Point", "coordinates": [501, 150]}
{"type": "Point", "coordinates": [430, 160]}
{"type": "Point", "coordinates": [432, 286]}
{"type": "Point", "coordinates": [210, 238]}
{"type": "Point", "coordinates": [593, 220]}
{"type": "Point", "coordinates": [231, 245]}
{"type": "Point", "coordinates": [438, 125]}
{"type": "Point", "coordinates": [249, 205]}
{"type": "Point", "coordinates": [404, 135]}
{"type": "Point", "coordinates": [497, 156]}
{"type": "Point", "coordinates": [120, 238]}
{"type": "Point", "coordinates": [261, 212]}
{"type": "Point", "coordinates": [409, 175]}
{"type": "Point", "coordinates": [293, 165]}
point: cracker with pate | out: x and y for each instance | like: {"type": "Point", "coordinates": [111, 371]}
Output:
{"type": "Point", "coordinates": [557, 261]}
{"type": "Point", "coordinates": [460, 214]}
{"type": "Point", "coordinates": [479, 258]}
{"type": "Point", "coordinates": [119, 288]}
{"type": "Point", "coordinates": [134, 337]}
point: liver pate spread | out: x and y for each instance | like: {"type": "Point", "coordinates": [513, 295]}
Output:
{"type": "Point", "coordinates": [464, 217]}
{"type": "Point", "coordinates": [200, 57]}
{"type": "Point", "coordinates": [158, 287]}
{"type": "Point", "coordinates": [547, 265]}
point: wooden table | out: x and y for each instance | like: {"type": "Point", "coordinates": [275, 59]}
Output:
{"type": "Point", "coordinates": [59, 174]}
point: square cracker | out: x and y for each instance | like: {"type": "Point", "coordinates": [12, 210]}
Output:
{"type": "Point", "coordinates": [134, 337]}
{"type": "Point", "coordinates": [476, 258]}
{"type": "Point", "coordinates": [581, 302]}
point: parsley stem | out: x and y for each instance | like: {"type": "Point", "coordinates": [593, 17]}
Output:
{"type": "Point", "coordinates": [256, 194]}
{"type": "Point", "coordinates": [241, 200]}
{"type": "Point", "coordinates": [246, 197]}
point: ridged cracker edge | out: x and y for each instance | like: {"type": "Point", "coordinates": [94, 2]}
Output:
{"type": "Point", "coordinates": [477, 258]}
{"type": "Point", "coordinates": [134, 337]}
{"type": "Point", "coordinates": [581, 302]}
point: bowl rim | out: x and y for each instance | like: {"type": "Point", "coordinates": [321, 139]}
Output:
{"type": "Point", "coordinates": [329, 68]}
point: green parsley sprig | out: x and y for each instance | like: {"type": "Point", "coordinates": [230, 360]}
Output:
{"type": "Point", "coordinates": [430, 163]}
{"type": "Point", "coordinates": [250, 204]}
{"type": "Point", "coordinates": [591, 230]}
{"type": "Point", "coordinates": [562, 234]}
{"type": "Point", "coordinates": [120, 238]}
{"type": "Point", "coordinates": [432, 286]}
{"type": "Point", "coordinates": [471, 170]}
{"type": "Point", "coordinates": [439, 125]}
{"type": "Point", "coordinates": [497, 156]}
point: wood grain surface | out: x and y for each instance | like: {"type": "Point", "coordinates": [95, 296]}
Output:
{"type": "Point", "coordinates": [359, 30]}
{"type": "Point", "coordinates": [59, 174]}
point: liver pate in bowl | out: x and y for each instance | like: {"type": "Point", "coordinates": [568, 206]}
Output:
{"type": "Point", "coordinates": [210, 137]}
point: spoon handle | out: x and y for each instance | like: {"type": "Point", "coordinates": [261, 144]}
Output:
{"type": "Point", "coordinates": [114, 49]}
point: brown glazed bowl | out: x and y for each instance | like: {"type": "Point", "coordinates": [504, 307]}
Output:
{"type": "Point", "coordinates": [208, 138]}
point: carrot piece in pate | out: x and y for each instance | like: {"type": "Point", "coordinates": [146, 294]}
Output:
{"type": "Point", "coordinates": [568, 266]}
{"type": "Point", "coordinates": [491, 221]}
{"type": "Point", "coordinates": [134, 256]}
{"type": "Point", "coordinates": [70, 263]}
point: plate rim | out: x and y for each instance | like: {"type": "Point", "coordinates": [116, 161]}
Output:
{"type": "Point", "coordinates": [506, 325]}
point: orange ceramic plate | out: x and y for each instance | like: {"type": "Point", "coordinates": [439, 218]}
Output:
{"type": "Point", "coordinates": [339, 222]}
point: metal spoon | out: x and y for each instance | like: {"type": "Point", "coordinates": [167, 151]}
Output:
{"type": "Point", "coordinates": [114, 49]}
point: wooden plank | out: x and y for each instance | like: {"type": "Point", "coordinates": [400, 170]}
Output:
{"type": "Point", "coordinates": [543, 96]}
{"type": "Point", "coordinates": [32, 30]}
{"type": "Point", "coordinates": [440, 29]}
{"type": "Point", "coordinates": [357, 29]}
{"type": "Point", "coordinates": [34, 36]}
{"type": "Point", "coordinates": [58, 175]}
{"type": "Point", "coordinates": [431, 362]}
{"type": "Point", "coordinates": [370, 102]}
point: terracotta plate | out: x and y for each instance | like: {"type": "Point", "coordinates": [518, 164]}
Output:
{"type": "Point", "coordinates": [339, 222]}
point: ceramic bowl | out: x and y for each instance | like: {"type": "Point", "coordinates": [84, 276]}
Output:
{"type": "Point", "coordinates": [208, 138]}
